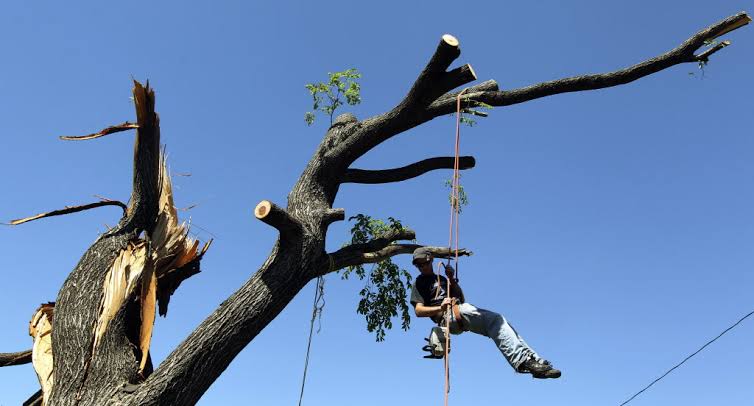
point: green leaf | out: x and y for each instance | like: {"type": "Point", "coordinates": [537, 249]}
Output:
{"type": "Point", "coordinates": [326, 97]}
{"type": "Point", "coordinates": [309, 118]}
{"type": "Point", "coordinates": [384, 295]}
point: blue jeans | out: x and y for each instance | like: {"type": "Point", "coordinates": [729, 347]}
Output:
{"type": "Point", "coordinates": [496, 327]}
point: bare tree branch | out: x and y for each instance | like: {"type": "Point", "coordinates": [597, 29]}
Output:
{"type": "Point", "coordinates": [15, 358]}
{"type": "Point", "coordinates": [704, 56]}
{"type": "Point", "coordinates": [379, 243]}
{"type": "Point", "coordinates": [343, 259]}
{"type": "Point", "coordinates": [146, 188]}
{"type": "Point", "coordinates": [382, 248]}
{"type": "Point", "coordinates": [405, 172]}
{"type": "Point", "coordinates": [69, 210]}
{"type": "Point", "coordinates": [434, 81]}
{"type": "Point", "coordinates": [475, 112]}
{"type": "Point", "coordinates": [107, 131]}
{"type": "Point", "coordinates": [681, 54]}
{"type": "Point", "coordinates": [34, 400]}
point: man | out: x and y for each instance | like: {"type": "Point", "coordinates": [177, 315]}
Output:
{"type": "Point", "coordinates": [430, 299]}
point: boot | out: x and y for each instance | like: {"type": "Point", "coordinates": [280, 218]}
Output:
{"type": "Point", "coordinates": [539, 369]}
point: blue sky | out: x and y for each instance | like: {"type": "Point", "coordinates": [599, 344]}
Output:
{"type": "Point", "coordinates": [613, 228]}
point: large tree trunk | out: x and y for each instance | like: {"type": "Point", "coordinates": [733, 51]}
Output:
{"type": "Point", "coordinates": [93, 368]}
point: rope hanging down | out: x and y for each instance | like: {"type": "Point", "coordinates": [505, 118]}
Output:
{"type": "Point", "coordinates": [319, 305]}
{"type": "Point", "coordinates": [455, 208]}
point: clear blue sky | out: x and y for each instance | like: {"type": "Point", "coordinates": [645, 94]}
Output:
{"type": "Point", "coordinates": [613, 228]}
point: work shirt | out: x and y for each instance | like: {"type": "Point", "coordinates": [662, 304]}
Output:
{"type": "Point", "coordinates": [426, 290]}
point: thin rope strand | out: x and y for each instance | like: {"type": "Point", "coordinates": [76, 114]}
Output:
{"type": "Point", "coordinates": [316, 310]}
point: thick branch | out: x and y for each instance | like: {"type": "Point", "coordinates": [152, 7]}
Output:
{"type": "Point", "coordinates": [69, 210]}
{"type": "Point", "coordinates": [681, 54]}
{"type": "Point", "coordinates": [433, 82]}
{"type": "Point", "coordinates": [272, 215]}
{"type": "Point", "coordinates": [343, 259]}
{"type": "Point", "coordinates": [405, 172]}
{"type": "Point", "coordinates": [190, 369]}
{"type": "Point", "coordinates": [146, 187]}
{"type": "Point", "coordinates": [15, 358]}
{"type": "Point", "coordinates": [379, 243]}
{"type": "Point", "coordinates": [428, 86]}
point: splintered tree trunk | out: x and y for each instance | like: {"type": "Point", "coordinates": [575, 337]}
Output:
{"type": "Point", "coordinates": [102, 319]}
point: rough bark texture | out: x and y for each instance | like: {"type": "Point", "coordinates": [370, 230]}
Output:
{"type": "Point", "coordinates": [110, 374]}
{"type": "Point", "coordinates": [81, 378]}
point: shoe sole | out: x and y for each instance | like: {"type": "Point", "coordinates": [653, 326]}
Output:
{"type": "Point", "coordinates": [547, 375]}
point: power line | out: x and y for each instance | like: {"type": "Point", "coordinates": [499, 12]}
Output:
{"type": "Point", "coordinates": [687, 358]}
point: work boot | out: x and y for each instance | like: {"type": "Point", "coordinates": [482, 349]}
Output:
{"type": "Point", "coordinates": [539, 369]}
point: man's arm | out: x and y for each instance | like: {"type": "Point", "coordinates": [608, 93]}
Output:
{"type": "Point", "coordinates": [423, 310]}
{"type": "Point", "coordinates": [456, 291]}
{"type": "Point", "coordinates": [455, 288]}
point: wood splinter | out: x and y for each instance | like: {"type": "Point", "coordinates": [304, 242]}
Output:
{"type": "Point", "coordinates": [107, 131]}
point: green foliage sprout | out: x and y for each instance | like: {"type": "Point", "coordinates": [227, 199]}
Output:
{"type": "Point", "coordinates": [467, 112]}
{"type": "Point", "coordinates": [463, 198]}
{"type": "Point", "coordinates": [385, 292]}
{"type": "Point", "coordinates": [328, 96]}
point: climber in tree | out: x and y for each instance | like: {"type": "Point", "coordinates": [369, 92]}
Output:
{"type": "Point", "coordinates": [429, 298]}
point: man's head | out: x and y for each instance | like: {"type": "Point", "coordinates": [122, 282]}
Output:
{"type": "Point", "coordinates": [423, 260]}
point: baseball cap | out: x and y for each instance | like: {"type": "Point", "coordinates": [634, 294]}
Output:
{"type": "Point", "coordinates": [422, 255]}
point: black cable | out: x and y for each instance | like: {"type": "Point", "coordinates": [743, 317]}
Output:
{"type": "Point", "coordinates": [687, 358]}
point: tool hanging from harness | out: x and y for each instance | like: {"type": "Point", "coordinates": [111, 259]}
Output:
{"type": "Point", "coordinates": [438, 335]}
{"type": "Point", "coordinates": [435, 343]}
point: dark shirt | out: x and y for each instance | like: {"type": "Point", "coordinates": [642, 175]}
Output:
{"type": "Point", "coordinates": [427, 291]}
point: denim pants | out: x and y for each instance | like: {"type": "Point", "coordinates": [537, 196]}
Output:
{"type": "Point", "coordinates": [496, 327]}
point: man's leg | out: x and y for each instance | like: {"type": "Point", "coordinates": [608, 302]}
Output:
{"type": "Point", "coordinates": [496, 327]}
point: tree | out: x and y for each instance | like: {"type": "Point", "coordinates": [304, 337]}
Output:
{"type": "Point", "coordinates": [102, 356]}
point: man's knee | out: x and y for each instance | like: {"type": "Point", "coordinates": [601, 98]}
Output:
{"type": "Point", "coordinates": [498, 318]}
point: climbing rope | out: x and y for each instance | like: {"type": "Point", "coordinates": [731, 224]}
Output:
{"type": "Point", "coordinates": [319, 305]}
{"type": "Point", "coordinates": [455, 209]}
